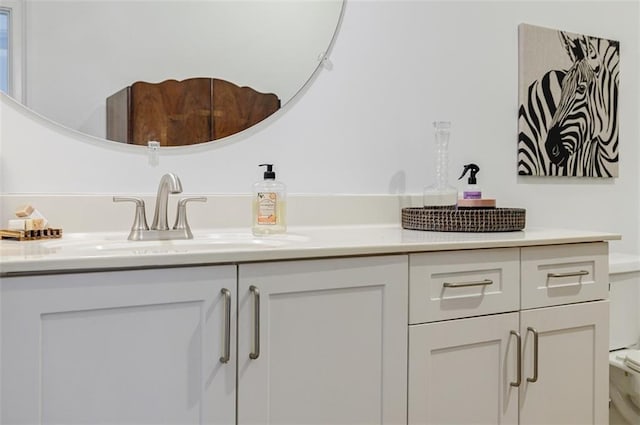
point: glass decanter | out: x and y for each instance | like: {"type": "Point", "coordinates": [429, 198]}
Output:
{"type": "Point", "coordinates": [441, 194]}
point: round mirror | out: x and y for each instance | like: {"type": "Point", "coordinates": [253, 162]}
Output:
{"type": "Point", "coordinates": [84, 62]}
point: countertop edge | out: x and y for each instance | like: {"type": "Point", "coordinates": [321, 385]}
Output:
{"type": "Point", "coordinates": [323, 249]}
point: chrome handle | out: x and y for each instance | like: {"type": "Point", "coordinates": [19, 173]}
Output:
{"type": "Point", "coordinates": [568, 274]}
{"type": "Point", "coordinates": [256, 323]}
{"type": "Point", "coordinates": [518, 360]}
{"type": "Point", "coordinates": [181, 215]}
{"type": "Point", "coordinates": [534, 378]}
{"type": "Point", "coordinates": [140, 218]}
{"type": "Point", "coordinates": [483, 282]}
{"type": "Point", "coordinates": [227, 326]}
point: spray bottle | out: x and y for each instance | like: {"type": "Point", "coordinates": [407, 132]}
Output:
{"type": "Point", "coordinates": [472, 190]}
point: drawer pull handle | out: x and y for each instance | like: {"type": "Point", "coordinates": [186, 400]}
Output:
{"type": "Point", "coordinates": [256, 323]}
{"type": "Point", "coordinates": [568, 274]}
{"type": "Point", "coordinates": [227, 326]}
{"type": "Point", "coordinates": [518, 360]}
{"type": "Point", "coordinates": [534, 378]}
{"type": "Point", "coordinates": [483, 282]}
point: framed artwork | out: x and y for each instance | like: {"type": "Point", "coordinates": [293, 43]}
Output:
{"type": "Point", "coordinates": [568, 95]}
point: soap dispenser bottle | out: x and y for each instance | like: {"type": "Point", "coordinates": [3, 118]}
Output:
{"type": "Point", "coordinates": [269, 204]}
{"type": "Point", "coordinates": [472, 190]}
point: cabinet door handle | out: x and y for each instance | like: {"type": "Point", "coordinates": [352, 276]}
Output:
{"type": "Point", "coordinates": [518, 360]}
{"type": "Point", "coordinates": [483, 282]}
{"type": "Point", "coordinates": [534, 378]}
{"type": "Point", "coordinates": [227, 325]}
{"type": "Point", "coordinates": [256, 323]}
{"type": "Point", "coordinates": [568, 274]}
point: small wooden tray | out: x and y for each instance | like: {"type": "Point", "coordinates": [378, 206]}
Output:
{"type": "Point", "coordinates": [29, 235]}
{"type": "Point", "coordinates": [464, 220]}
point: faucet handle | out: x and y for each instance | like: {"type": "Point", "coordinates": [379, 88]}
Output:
{"type": "Point", "coordinates": [140, 219]}
{"type": "Point", "coordinates": [181, 216]}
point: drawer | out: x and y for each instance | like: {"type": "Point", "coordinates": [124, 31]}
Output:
{"type": "Point", "coordinates": [563, 274]}
{"type": "Point", "coordinates": [452, 284]}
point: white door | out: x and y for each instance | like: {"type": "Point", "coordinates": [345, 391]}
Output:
{"type": "Point", "coordinates": [572, 381]}
{"type": "Point", "coordinates": [125, 347]}
{"type": "Point", "coordinates": [329, 345]}
{"type": "Point", "coordinates": [464, 371]}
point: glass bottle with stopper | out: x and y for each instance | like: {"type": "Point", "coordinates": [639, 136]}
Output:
{"type": "Point", "coordinates": [441, 194]}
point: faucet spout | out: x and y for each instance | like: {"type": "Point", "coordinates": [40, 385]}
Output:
{"type": "Point", "coordinates": [169, 183]}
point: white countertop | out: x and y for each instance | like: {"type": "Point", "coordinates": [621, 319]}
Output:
{"type": "Point", "coordinates": [102, 251]}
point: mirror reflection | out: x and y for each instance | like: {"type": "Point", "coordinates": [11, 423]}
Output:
{"type": "Point", "coordinates": [201, 62]}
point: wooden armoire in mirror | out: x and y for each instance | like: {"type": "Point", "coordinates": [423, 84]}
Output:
{"type": "Point", "coordinates": [177, 113]}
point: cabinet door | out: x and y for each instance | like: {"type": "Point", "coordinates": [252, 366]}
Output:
{"type": "Point", "coordinates": [460, 371]}
{"type": "Point", "coordinates": [119, 347]}
{"type": "Point", "coordinates": [328, 345]}
{"type": "Point", "coordinates": [572, 382]}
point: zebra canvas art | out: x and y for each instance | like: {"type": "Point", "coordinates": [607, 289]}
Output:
{"type": "Point", "coordinates": [568, 95]}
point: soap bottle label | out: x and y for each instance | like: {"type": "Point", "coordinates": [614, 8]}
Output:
{"type": "Point", "coordinates": [267, 202]}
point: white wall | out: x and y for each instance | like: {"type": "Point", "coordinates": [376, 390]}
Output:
{"type": "Point", "coordinates": [364, 126]}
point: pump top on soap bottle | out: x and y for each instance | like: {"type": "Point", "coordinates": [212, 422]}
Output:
{"type": "Point", "coordinates": [472, 190]}
{"type": "Point", "coordinates": [269, 204]}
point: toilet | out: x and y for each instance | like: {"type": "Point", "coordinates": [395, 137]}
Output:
{"type": "Point", "coordinates": [624, 340]}
{"type": "Point", "coordinates": [624, 387]}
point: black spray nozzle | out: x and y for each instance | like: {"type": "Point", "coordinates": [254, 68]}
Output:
{"type": "Point", "coordinates": [269, 174]}
{"type": "Point", "coordinates": [473, 170]}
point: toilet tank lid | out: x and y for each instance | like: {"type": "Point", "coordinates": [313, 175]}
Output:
{"type": "Point", "coordinates": [632, 360]}
{"type": "Point", "coordinates": [623, 263]}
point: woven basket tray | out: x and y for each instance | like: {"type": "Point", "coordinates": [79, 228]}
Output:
{"type": "Point", "coordinates": [464, 220]}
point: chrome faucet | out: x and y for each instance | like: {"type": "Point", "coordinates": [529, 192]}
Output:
{"type": "Point", "coordinates": [140, 231]}
{"type": "Point", "coordinates": [168, 183]}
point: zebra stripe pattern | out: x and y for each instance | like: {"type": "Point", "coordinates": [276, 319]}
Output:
{"type": "Point", "coordinates": [568, 123]}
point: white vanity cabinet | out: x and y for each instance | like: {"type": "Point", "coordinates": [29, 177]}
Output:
{"type": "Point", "coordinates": [319, 341]}
{"type": "Point", "coordinates": [132, 347]}
{"type": "Point", "coordinates": [508, 332]}
{"type": "Point", "coordinates": [323, 341]}
{"type": "Point", "coordinates": [488, 367]}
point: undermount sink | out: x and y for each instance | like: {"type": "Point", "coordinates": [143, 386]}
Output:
{"type": "Point", "coordinates": [206, 241]}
